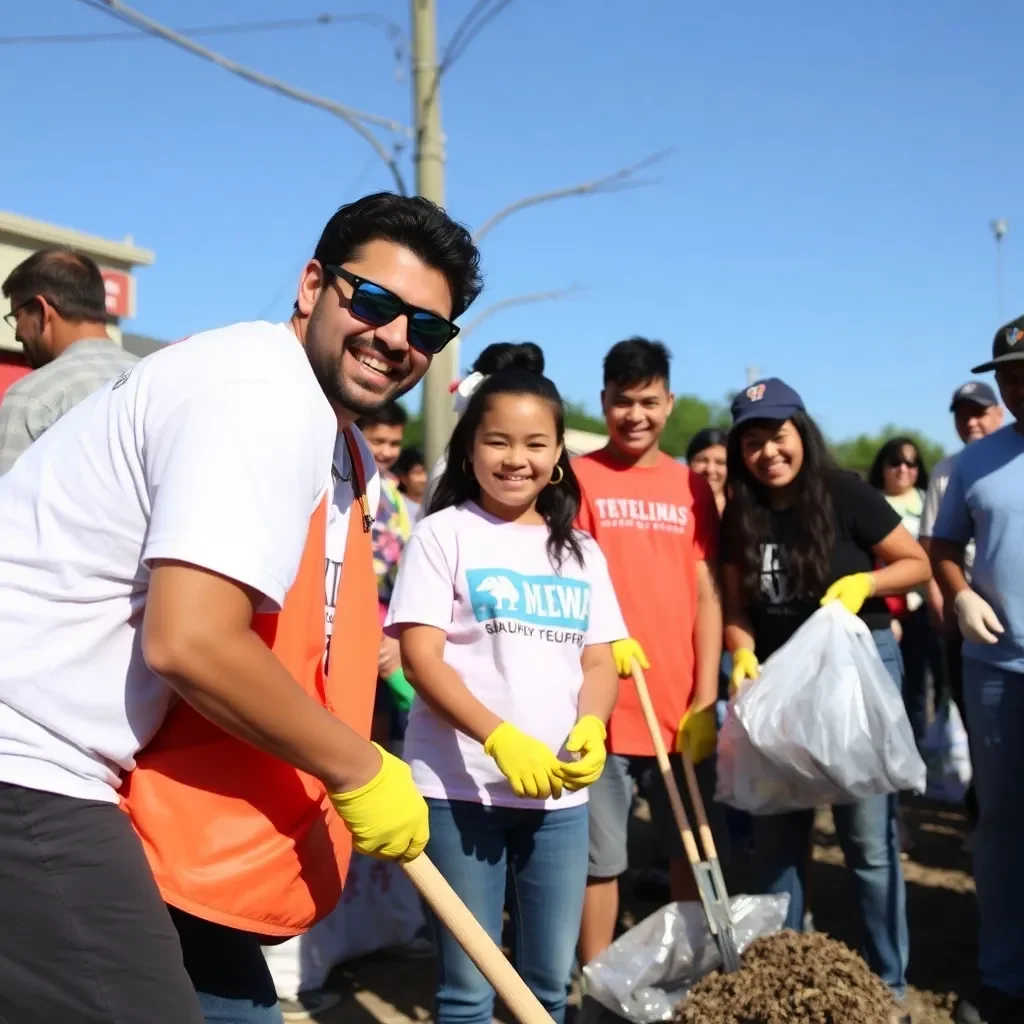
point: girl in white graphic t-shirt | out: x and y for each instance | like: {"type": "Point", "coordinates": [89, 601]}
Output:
{"type": "Point", "coordinates": [506, 616]}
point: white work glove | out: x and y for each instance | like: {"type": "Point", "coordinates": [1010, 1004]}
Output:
{"type": "Point", "coordinates": [978, 623]}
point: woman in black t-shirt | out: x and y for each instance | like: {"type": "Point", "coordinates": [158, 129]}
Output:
{"type": "Point", "coordinates": [799, 532]}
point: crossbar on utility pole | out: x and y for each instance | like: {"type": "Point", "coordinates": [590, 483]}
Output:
{"type": "Point", "coordinates": [438, 413]}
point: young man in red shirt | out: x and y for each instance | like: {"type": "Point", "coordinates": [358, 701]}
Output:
{"type": "Point", "coordinates": [657, 524]}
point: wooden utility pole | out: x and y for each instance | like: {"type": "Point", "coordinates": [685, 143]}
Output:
{"type": "Point", "coordinates": [438, 413]}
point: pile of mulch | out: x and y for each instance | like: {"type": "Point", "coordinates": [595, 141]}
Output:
{"type": "Point", "coordinates": [791, 978]}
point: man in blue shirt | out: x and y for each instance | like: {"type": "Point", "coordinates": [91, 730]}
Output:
{"type": "Point", "coordinates": [985, 500]}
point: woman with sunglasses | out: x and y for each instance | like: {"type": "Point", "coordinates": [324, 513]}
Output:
{"type": "Point", "coordinates": [799, 532]}
{"type": "Point", "coordinates": [900, 474]}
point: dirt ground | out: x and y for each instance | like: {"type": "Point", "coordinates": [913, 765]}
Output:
{"type": "Point", "coordinates": [940, 894]}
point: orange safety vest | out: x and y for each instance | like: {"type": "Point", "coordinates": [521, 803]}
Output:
{"type": "Point", "coordinates": [237, 836]}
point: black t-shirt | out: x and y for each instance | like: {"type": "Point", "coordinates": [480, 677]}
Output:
{"type": "Point", "coordinates": [863, 518]}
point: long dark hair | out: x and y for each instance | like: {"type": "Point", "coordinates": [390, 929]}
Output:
{"type": "Point", "coordinates": [558, 504]}
{"type": "Point", "coordinates": [811, 527]}
{"type": "Point", "coordinates": [895, 446]}
{"type": "Point", "coordinates": [704, 439]}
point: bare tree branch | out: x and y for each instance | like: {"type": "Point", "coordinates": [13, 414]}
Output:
{"type": "Point", "coordinates": [354, 118]}
{"type": "Point", "coordinates": [517, 300]}
{"type": "Point", "coordinates": [614, 182]}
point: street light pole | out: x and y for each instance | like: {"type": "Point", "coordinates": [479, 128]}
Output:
{"type": "Point", "coordinates": [438, 413]}
{"type": "Point", "coordinates": [999, 229]}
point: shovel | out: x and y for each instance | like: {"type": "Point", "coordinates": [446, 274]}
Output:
{"type": "Point", "coordinates": [708, 871]}
{"type": "Point", "coordinates": [479, 946]}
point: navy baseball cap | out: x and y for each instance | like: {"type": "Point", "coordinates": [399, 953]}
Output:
{"type": "Point", "coordinates": [767, 399]}
{"type": "Point", "coordinates": [1007, 346]}
{"type": "Point", "coordinates": [975, 391]}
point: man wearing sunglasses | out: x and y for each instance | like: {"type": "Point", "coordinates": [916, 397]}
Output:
{"type": "Point", "coordinates": [161, 581]}
{"type": "Point", "coordinates": [58, 313]}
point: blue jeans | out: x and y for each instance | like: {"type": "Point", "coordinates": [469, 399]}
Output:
{"type": "Point", "coordinates": [228, 970]}
{"type": "Point", "coordinates": [995, 710]}
{"type": "Point", "coordinates": [537, 857]}
{"type": "Point", "coordinates": [869, 837]}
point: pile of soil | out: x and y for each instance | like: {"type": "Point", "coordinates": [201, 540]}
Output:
{"type": "Point", "coordinates": [791, 978]}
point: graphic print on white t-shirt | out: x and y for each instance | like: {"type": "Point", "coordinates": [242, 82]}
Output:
{"type": "Point", "coordinates": [551, 608]}
{"type": "Point", "coordinates": [514, 636]}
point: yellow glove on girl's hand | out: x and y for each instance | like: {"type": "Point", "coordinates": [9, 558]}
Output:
{"type": "Point", "coordinates": [624, 651]}
{"type": "Point", "coordinates": [529, 765]}
{"type": "Point", "coordinates": [744, 668]}
{"type": "Point", "coordinates": [387, 817]}
{"type": "Point", "coordinates": [697, 734]}
{"type": "Point", "coordinates": [587, 739]}
{"type": "Point", "coordinates": [851, 591]}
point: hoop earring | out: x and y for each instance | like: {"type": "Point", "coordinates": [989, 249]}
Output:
{"type": "Point", "coordinates": [561, 476]}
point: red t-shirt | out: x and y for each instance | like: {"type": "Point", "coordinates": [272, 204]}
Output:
{"type": "Point", "coordinates": [654, 524]}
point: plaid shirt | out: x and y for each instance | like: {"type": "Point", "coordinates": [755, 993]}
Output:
{"type": "Point", "coordinates": [33, 404]}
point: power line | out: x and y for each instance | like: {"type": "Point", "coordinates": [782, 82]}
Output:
{"type": "Point", "coordinates": [354, 118]}
{"type": "Point", "coordinates": [391, 29]}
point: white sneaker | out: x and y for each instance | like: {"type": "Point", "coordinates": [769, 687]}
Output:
{"type": "Point", "coordinates": [309, 1004]}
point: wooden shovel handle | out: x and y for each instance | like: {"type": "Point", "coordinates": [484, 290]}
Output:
{"type": "Point", "coordinates": [479, 946]}
{"type": "Point", "coordinates": [665, 766]}
{"type": "Point", "coordinates": [706, 838]}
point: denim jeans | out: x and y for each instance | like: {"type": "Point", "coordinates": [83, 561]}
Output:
{"type": "Point", "coordinates": [228, 970]}
{"type": "Point", "coordinates": [869, 837]}
{"type": "Point", "coordinates": [995, 710]}
{"type": "Point", "coordinates": [537, 857]}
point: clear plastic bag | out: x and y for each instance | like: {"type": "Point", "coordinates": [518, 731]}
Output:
{"type": "Point", "coordinates": [824, 724]}
{"type": "Point", "coordinates": [646, 972]}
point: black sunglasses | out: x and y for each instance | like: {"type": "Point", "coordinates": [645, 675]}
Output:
{"type": "Point", "coordinates": [377, 306]}
{"type": "Point", "coordinates": [898, 460]}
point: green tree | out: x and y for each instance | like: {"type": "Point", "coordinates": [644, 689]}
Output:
{"type": "Point", "coordinates": [577, 418]}
{"type": "Point", "coordinates": [689, 416]}
{"type": "Point", "coordinates": [857, 453]}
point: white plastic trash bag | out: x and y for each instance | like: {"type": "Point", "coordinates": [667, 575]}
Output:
{"type": "Point", "coordinates": [824, 724]}
{"type": "Point", "coordinates": [947, 756]}
{"type": "Point", "coordinates": [643, 974]}
{"type": "Point", "coordinates": [379, 908]}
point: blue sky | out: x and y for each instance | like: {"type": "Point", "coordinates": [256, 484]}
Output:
{"type": "Point", "coordinates": [824, 217]}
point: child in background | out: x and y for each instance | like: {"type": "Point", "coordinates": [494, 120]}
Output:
{"type": "Point", "coordinates": [411, 472]}
{"type": "Point", "coordinates": [384, 431]}
{"type": "Point", "coordinates": [506, 616]}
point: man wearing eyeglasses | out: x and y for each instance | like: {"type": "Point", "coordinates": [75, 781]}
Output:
{"type": "Point", "coordinates": [162, 623]}
{"type": "Point", "coordinates": [58, 313]}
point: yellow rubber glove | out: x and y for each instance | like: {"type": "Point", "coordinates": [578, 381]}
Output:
{"type": "Point", "coordinates": [624, 651]}
{"type": "Point", "coordinates": [586, 739]}
{"type": "Point", "coordinates": [851, 591]}
{"type": "Point", "coordinates": [529, 765]}
{"type": "Point", "coordinates": [698, 734]}
{"type": "Point", "coordinates": [744, 667]}
{"type": "Point", "coordinates": [387, 817]}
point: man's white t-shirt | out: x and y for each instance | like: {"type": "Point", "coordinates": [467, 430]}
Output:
{"type": "Point", "coordinates": [215, 452]}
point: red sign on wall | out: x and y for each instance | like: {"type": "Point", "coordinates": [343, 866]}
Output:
{"type": "Point", "coordinates": [120, 293]}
